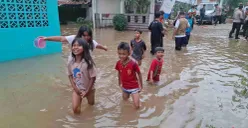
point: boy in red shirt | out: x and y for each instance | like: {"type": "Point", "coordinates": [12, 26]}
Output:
{"type": "Point", "coordinates": [127, 75]}
{"type": "Point", "coordinates": [156, 66]}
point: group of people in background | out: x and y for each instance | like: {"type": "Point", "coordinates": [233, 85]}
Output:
{"type": "Point", "coordinates": [240, 17]}
{"type": "Point", "coordinates": [182, 26]}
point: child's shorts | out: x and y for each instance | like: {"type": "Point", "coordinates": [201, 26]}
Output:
{"type": "Point", "coordinates": [131, 91]}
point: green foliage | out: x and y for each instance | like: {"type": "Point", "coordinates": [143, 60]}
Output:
{"type": "Point", "coordinates": [120, 22]}
{"type": "Point", "coordinates": [179, 5]}
{"type": "Point", "coordinates": [82, 22]}
{"type": "Point", "coordinates": [210, 126]}
{"type": "Point", "coordinates": [232, 4]}
{"type": "Point", "coordinates": [137, 6]}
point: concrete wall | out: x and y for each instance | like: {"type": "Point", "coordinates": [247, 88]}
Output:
{"type": "Point", "coordinates": [21, 22]}
{"type": "Point", "coordinates": [108, 6]}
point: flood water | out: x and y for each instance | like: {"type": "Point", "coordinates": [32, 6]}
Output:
{"type": "Point", "coordinates": [203, 86]}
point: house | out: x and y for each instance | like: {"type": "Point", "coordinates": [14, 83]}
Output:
{"type": "Point", "coordinates": [86, 5]}
{"type": "Point", "coordinates": [105, 10]}
{"type": "Point", "coordinates": [21, 24]}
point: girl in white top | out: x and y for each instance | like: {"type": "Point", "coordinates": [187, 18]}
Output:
{"type": "Point", "coordinates": [83, 32]}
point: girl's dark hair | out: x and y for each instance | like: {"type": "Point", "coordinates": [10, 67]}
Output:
{"type": "Point", "coordinates": [86, 52]}
{"type": "Point", "coordinates": [80, 33]}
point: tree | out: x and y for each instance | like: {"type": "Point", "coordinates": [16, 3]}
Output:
{"type": "Point", "coordinates": [137, 6]}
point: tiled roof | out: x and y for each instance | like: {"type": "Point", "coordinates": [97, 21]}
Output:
{"type": "Point", "coordinates": [61, 2]}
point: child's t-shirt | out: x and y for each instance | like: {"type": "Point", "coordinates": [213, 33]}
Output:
{"type": "Point", "coordinates": [81, 74]}
{"type": "Point", "coordinates": [128, 74]}
{"type": "Point", "coordinates": [138, 49]}
{"type": "Point", "coordinates": [156, 67]}
{"type": "Point", "coordinates": [189, 29]}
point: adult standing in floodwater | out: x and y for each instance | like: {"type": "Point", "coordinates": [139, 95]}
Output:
{"type": "Point", "coordinates": [238, 17]}
{"type": "Point", "coordinates": [218, 12]}
{"type": "Point", "coordinates": [202, 14]}
{"type": "Point", "coordinates": [157, 33]}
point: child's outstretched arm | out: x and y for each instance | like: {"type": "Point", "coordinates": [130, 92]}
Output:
{"type": "Point", "coordinates": [61, 39]}
{"type": "Point", "coordinates": [99, 46]}
{"type": "Point", "coordinates": [74, 85]}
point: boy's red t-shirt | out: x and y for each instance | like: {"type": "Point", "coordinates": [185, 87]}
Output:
{"type": "Point", "coordinates": [156, 67]}
{"type": "Point", "coordinates": [128, 74]}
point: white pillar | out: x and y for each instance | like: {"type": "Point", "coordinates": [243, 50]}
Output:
{"type": "Point", "coordinates": [93, 13]}
{"type": "Point", "coordinates": [122, 6]}
{"type": "Point", "coordinates": [151, 12]}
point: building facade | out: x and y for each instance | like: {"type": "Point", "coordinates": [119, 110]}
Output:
{"type": "Point", "coordinates": [21, 22]}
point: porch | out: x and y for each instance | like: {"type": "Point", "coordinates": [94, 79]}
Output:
{"type": "Point", "coordinates": [105, 10]}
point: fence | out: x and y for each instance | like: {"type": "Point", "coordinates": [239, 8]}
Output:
{"type": "Point", "coordinates": [134, 20]}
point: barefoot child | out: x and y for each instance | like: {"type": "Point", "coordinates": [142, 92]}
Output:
{"type": "Point", "coordinates": [138, 47]}
{"type": "Point", "coordinates": [156, 66]}
{"type": "Point", "coordinates": [82, 74]}
{"type": "Point", "coordinates": [127, 75]}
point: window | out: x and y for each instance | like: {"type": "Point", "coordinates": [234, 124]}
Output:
{"type": "Point", "coordinates": [23, 13]}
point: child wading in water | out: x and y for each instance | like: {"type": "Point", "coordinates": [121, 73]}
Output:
{"type": "Point", "coordinates": [156, 66]}
{"type": "Point", "coordinates": [138, 47]}
{"type": "Point", "coordinates": [189, 29]}
{"type": "Point", "coordinates": [127, 75]}
{"type": "Point", "coordinates": [82, 74]}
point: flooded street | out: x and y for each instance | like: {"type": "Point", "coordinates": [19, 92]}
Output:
{"type": "Point", "coordinates": [203, 86]}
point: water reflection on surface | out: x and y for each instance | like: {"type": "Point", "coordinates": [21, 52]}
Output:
{"type": "Point", "coordinates": [202, 85]}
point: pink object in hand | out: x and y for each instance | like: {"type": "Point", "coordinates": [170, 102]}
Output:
{"type": "Point", "coordinates": [39, 43]}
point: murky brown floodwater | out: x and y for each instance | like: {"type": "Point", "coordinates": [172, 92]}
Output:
{"type": "Point", "coordinates": [202, 85]}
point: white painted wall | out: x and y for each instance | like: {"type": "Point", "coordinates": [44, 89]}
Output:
{"type": "Point", "coordinates": [108, 6]}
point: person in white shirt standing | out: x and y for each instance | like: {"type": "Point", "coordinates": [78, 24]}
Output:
{"type": "Point", "coordinates": [237, 21]}
{"type": "Point", "coordinates": [218, 12]}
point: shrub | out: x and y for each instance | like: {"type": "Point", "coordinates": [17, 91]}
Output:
{"type": "Point", "coordinates": [120, 22]}
{"type": "Point", "coordinates": [82, 22]}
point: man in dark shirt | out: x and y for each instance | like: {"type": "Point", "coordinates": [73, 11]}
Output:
{"type": "Point", "coordinates": [157, 33]}
{"type": "Point", "coordinates": [202, 14]}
